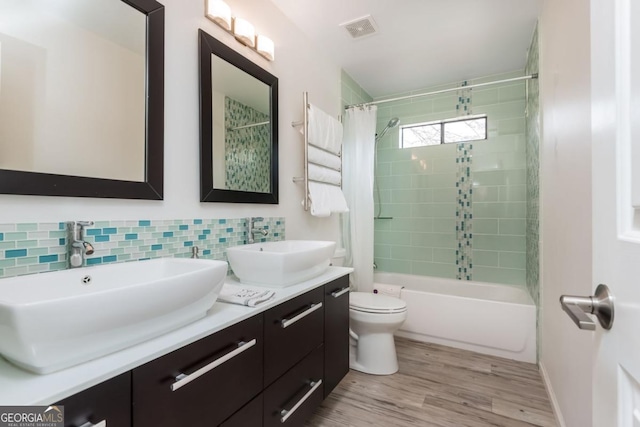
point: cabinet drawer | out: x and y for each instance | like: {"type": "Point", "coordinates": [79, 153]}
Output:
{"type": "Point", "coordinates": [202, 383]}
{"type": "Point", "coordinates": [109, 401]}
{"type": "Point", "coordinates": [291, 331]}
{"type": "Point", "coordinates": [336, 332]}
{"type": "Point", "coordinates": [249, 416]}
{"type": "Point", "coordinates": [292, 398]}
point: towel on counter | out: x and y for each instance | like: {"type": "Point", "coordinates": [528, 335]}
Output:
{"type": "Point", "coordinates": [324, 131]}
{"type": "Point", "coordinates": [242, 295]}
{"type": "Point", "coordinates": [324, 158]}
{"type": "Point", "coordinates": [326, 199]}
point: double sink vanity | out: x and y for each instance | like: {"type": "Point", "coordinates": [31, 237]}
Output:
{"type": "Point", "coordinates": [139, 344]}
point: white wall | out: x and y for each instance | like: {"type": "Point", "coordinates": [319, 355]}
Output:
{"type": "Point", "coordinates": [566, 202]}
{"type": "Point", "coordinates": [299, 67]}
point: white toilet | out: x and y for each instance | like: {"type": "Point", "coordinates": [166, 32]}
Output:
{"type": "Point", "coordinates": [373, 319]}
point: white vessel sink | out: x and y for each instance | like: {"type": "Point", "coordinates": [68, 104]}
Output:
{"type": "Point", "coordinates": [55, 320]}
{"type": "Point", "coordinates": [280, 264]}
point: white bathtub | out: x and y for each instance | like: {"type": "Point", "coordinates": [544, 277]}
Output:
{"type": "Point", "coordinates": [499, 320]}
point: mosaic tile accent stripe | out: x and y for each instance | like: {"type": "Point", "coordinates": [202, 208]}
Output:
{"type": "Point", "coordinates": [532, 133]}
{"type": "Point", "coordinates": [248, 150]}
{"type": "Point", "coordinates": [532, 227]}
{"type": "Point", "coordinates": [464, 106]}
{"type": "Point", "coordinates": [464, 212]}
{"type": "Point", "coordinates": [40, 247]}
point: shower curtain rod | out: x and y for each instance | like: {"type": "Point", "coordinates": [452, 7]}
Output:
{"type": "Point", "coordinates": [435, 92]}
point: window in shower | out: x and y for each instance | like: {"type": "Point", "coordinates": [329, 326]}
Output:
{"type": "Point", "coordinates": [470, 128]}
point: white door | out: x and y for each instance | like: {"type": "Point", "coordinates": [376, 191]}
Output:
{"type": "Point", "coordinates": [615, 76]}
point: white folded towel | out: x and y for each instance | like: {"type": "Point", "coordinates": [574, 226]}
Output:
{"type": "Point", "coordinates": [326, 199]}
{"type": "Point", "coordinates": [242, 295]}
{"type": "Point", "coordinates": [322, 174]}
{"type": "Point", "coordinates": [324, 131]}
{"type": "Point", "coordinates": [324, 158]}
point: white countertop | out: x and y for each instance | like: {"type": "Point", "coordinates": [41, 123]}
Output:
{"type": "Point", "coordinates": [20, 387]}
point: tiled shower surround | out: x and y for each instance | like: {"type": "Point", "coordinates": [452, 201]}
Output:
{"type": "Point", "coordinates": [418, 190]}
{"type": "Point", "coordinates": [39, 247]}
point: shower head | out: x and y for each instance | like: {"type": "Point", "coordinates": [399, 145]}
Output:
{"type": "Point", "coordinates": [392, 123]}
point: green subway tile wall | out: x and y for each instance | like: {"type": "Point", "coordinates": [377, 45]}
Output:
{"type": "Point", "coordinates": [418, 189]}
{"type": "Point", "coordinates": [352, 93]}
{"type": "Point", "coordinates": [35, 248]}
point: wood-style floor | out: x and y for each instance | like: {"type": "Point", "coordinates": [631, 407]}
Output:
{"type": "Point", "coordinates": [440, 386]}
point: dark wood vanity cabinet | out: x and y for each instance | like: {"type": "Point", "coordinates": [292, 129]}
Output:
{"type": "Point", "coordinates": [292, 398]}
{"type": "Point", "coordinates": [203, 383]}
{"type": "Point", "coordinates": [109, 401]}
{"type": "Point", "coordinates": [291, 331]}
{"type": "Point", "coordinates": [336, 332]}
{"type": "Point", "coordinates": [271, 369]}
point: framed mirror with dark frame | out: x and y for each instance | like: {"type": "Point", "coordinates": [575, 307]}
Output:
{"type": "Point", "coordinates": [116, 150]}
{"type": "Point", "coordinates": [238, 127]}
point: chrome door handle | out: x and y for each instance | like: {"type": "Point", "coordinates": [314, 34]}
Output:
{"type": "Point", "coordinates": [288, 322]}
{"type": "Point", "coordinates": [183, 379]}
{"type": "Point", "coordinates": [285, 414]}
{"type": "Point", "coordinates": [600, 305]}
{"type": "Point", "coordinates": [339, 292]}
{"type": "Point", "coordinates": [102, 423]}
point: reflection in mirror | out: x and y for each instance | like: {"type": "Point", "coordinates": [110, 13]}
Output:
{"type": "Point", "coordinates": [239, 119]}
{"type": "Point", "coordinates": [78, 112]}
{"type": "Point", "coordinates": [52, 56]}
{"type": "Point", "coordinates": [241, 131]}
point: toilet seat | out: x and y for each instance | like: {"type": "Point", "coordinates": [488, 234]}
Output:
{"type": "Point", "coordinates": [376, 304]}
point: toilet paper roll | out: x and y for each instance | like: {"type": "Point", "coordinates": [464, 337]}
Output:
{"type": "Point", "coordinates": [389, 290]}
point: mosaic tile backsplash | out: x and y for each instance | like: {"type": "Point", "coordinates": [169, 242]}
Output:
{"type": "Point", "coordinates": [27, 248]}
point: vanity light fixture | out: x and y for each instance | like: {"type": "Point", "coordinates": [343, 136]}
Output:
{"type": "Point", "coordinates": [265, 47]}
{"type": "Point", "coordinates": [244, 32]}
{"type": "Point", "coordinates": [219, 12]}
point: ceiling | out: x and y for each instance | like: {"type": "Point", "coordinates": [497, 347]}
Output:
{"type": "Point", "coordinates": [419, 43]}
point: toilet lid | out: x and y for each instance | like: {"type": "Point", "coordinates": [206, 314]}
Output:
{"type": "Point", "coordinates": [375, 303]}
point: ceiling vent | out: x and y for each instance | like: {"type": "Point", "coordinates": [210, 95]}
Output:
{"type": "Point", "coordinates": [361, 27]}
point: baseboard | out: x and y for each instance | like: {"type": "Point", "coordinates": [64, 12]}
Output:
{"type": "Point", "coordinates": [552, 396]}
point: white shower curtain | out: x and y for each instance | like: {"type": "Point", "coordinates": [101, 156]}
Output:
{"type": "Point", "coordinates": [358, 163]}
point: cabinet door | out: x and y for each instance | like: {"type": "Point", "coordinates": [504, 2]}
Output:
{"type": "Point", "coordinates": [249, 416]}
{"type": "Point", "coordinates": [336, 332]}
{"type": "Point", "coordinates": [291, 399]}
{"type": "Point", "coordinates": [291, 331]}
{"type": "Point", "coordinates": [109, 401]}
{"type": "Point", "coordinates": [203, 383]}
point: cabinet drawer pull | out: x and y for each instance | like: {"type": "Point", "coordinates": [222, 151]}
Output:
{"type": "Point", "coordinates": [183, 379]}
{"type": "Point", "coordinates": [287, 413]}
{"type": "Point", "coordinates": [102, 423]}
{"type": "Point", "coordinates": [288, 322]}
{"type": "Point", "coordinates": [339, 293]}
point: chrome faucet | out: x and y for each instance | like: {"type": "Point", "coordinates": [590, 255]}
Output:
{"type": "Point", "coordinates": [252, 230]}
{"type": "Point", "coordinates": [77, 246]}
